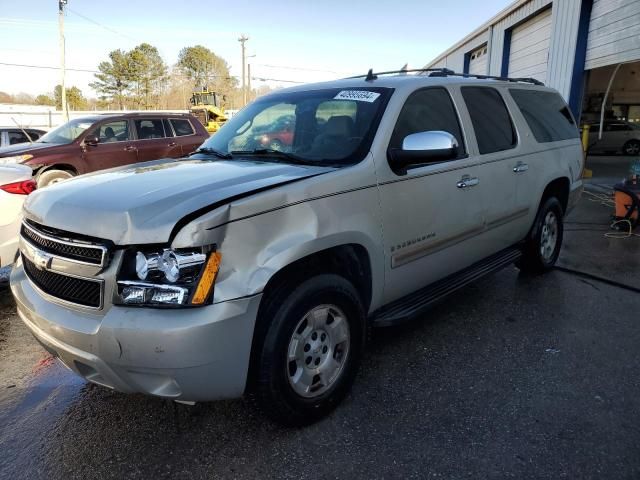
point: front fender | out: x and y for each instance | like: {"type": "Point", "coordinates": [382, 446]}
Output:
{"type": "Point", "coordinates": [256, 248]}
{"type": "Point", "coordinates": [77, 162]}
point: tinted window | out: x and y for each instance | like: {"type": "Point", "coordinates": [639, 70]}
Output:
{"type": "Point", "coordinates": [546, 114]}
{"type": "Point", "coordinates": [33, 134]}
{"type": "Point", "coordinates": [490, 119]}
{"type": "Point", "coordinates": [148, 129]}
{"type": "Point", "coordinates": [181, 127]}
{"type": "Point", "coordinates": [17, 137]}
{"type": "Point", "coordinates": [426, 110]}
{"type": "Point", "coordinates": [114, 132]}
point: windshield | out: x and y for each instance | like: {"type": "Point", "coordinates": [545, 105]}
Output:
{"type": "Point", "coordinates": [67, 132]}
{"type": "Point", "coordinates": [204, 98]}
{"type": "Point", "coordinates": [333, 126]}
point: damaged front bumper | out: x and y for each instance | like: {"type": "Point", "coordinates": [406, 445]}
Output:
{"type": "Point", "coordinates": [191, 354]}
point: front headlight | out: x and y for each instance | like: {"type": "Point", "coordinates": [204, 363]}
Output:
{"type": "Point", "coordinates": [15, 159]}
{"type": "Point", "coordinates": [167, 277]}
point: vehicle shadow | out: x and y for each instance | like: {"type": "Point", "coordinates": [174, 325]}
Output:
{"type": "Point", "coordinates": [500, 377]}
{"type": "Point", "coordinates": [409, 380]}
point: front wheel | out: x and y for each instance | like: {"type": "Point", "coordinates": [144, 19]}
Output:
{"type": "Point", "coordinates": [311, 349]}
{"type": "Point", "coordinates": [53, 176]}
{"type": "Point", "coordinates": [542, 245]}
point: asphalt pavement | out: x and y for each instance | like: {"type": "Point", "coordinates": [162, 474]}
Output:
{"type": "Point", "coordinates": [513, 377]}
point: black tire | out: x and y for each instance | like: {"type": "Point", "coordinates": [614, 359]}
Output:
{"type": "Point", "coordinates": [632, 147]}
{"type": "Point", "coordinates": [533, 260]}
{"type": "Point", "coordinates": [271, 389]}
{"type": "Point", "coordinates": [50, 177]}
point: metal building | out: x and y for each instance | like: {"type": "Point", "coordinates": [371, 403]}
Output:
{"type": "Point", "coordinates": [574, 46]}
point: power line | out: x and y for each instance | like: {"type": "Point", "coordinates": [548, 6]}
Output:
{"type": "Point", "coordinates": [95, 22]}
{"type": "Point", "coordinates": [47, 67]}
{"type": "Point", "coordinates": [263, 79]}
{"type": "Point", "coordinates": [286, 67]}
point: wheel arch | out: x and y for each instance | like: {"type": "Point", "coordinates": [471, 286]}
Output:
{"type": "Point", "coordinates": [351, 261]}
{"type": "Point", "coordinates": [559, 188]}
{"type": "Point", "coordinates": [56, 166]}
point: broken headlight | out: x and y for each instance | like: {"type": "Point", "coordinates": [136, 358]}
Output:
{"type": "Point", "coordinates": [167, 277]}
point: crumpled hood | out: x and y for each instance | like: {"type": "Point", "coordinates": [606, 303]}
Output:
{"type": "Point", "coordinates": [142, 203]}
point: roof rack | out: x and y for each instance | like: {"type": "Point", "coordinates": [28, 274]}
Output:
{"type": "Point", "coordinates": [371, 75]}
{"type": "Point", "coordinates": [445, 72]}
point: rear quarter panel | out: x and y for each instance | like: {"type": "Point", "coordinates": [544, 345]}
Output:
{"type": "Point", "coordinates": [547, 162]}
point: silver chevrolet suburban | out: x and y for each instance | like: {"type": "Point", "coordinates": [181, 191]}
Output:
{"type": "Point", "coordinates": [257, 265]}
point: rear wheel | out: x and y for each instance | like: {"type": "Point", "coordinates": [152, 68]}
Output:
{"type": "Point", "coordinates": [311, 349]}
{"type": "Point", "coordinates": [632, 147]}
{"type": "Point", "coordinates": [50, 177]}
{"type": "Point", "coordinates": [542, 246]}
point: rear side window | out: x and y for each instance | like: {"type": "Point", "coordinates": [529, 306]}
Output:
{"type": "Point", "coordinates": [181, 127]}
{"type": "Point", "coordinates": [149, 129]}
{"type": "Point", "coordinates": [490, 119]}
{"type": "Point", "coordinates": [546, 114]}
{"type": "Point", "coordinates": [426, 110]}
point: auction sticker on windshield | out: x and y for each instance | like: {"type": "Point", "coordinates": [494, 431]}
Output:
{"type": "Point", "coordinates": [358, 95]}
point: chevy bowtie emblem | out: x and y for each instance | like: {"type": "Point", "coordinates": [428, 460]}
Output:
{"type": "Point", "coordinates": [42, 260]}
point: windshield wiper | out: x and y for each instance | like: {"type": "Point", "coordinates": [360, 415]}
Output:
{"type": "Point", "coordinates": [213, 151]}
{"type": "Point", "coordinates": [289, 157]}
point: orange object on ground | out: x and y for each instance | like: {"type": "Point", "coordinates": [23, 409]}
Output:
{"type": "Point", "coordinates": [627, 200]}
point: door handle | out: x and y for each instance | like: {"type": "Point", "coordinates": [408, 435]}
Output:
{"type": "Point", "coordinates": [520, 167]}
{"type": "Point", "coordinates": [173, 144]}
{"type": "Point", "coordinates": [467, 181]}
{"type": "Point", "coordinates": [130, 148]}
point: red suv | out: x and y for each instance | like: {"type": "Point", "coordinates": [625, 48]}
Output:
{"type": "Point", "coordinates": [102, 141]}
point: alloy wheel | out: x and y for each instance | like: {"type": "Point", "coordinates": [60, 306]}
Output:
{"type": "Point", "coordinates": [318, 350]}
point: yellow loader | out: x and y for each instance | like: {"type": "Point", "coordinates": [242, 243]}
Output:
{"type": "Point", "coordinates": [206, 108]}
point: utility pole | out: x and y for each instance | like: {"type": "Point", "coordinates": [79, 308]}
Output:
{"type": "Point", "coordinates": [243, 38]}
{"type": "Point", "coordinates": [63, 90]}
{"type": "Point", "coordinates": [249, 79]}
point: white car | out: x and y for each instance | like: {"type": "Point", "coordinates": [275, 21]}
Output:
{"type": "Point", "coordinates": [617, 136]}
{"type": "Point", "coordinates": [15, 184]}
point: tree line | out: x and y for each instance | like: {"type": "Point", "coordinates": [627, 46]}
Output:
{"type": "Point", "coordinates": [140, 79]}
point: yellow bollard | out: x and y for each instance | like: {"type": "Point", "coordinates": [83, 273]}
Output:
{"type": "Point", "coordinates": [585, 137]}
{"type": "Point", "coordinates": [586, 173]}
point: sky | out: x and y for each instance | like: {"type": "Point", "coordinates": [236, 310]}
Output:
{"type": "Point", "coordinates": [297, 41]}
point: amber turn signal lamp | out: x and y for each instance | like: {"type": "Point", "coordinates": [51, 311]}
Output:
{"type": "Point", "coordinates": [207, 279]}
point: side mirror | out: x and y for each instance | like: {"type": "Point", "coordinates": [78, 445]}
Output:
{"type": "Point", "coordinates": [423, 148]}
{"type": "Point", "coordinates": [91, 140]}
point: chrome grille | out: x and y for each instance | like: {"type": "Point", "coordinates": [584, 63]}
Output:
{"type": "Point", "coordinates": [78, 250]}
{"type": "Point", "coordinates": [80, 291]}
